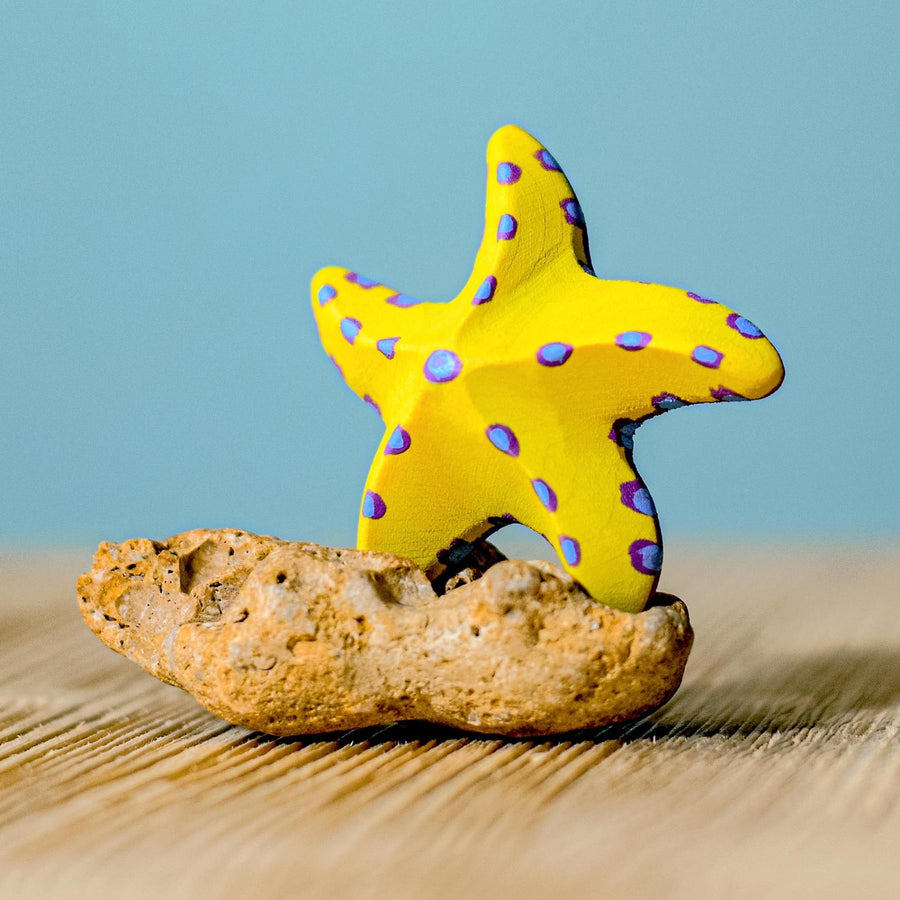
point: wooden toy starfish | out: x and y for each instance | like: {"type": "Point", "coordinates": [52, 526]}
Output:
{"type": "Point", "coordinates": [517, 401]}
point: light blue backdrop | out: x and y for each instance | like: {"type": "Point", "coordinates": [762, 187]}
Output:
{"type": "Point", "coordinates": [173, 174]}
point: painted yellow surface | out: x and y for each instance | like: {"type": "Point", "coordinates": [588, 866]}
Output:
{"type": "Point", "coordinates": [517, 400]}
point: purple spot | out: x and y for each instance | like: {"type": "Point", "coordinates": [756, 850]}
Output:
{"type": "Point", "coordinates": [404, 301]}
{"type": "Point", "coordinates": [326, 293]}
{"type": "Point", "coordinates": [633, 340]}
{"type": "Point", "coordinates": [545, 493]}
{"type": "Point", "coordinates": [508, 173]}
{"type": "Point", "coordinates": [502, 438]}
{"type": "Point", "coordinates": [571, 549]}
{"type": "Point", "coordinates": [743, 327]}
{"type": "Point", "coordinates": [554, 354]}
{"type": "Point", "coordinates": [386, 346]}
{"type": "Point", "coordinates": [507, 228]}
{"type": "Point", "coordinates": [373, 506]}
{"type": "Point", "coordinates": [724, 394]}
{"type": "Point", "coordinates": [337, 365]}
{"type": "Point", "coordinates": [547, 161]}
{"type": "Point", "coordinates": [441, 366]}
{"type": "Point", "coordinates": [572, 209]}
{"type": "Point", "coordinates": [350, 328]}
{"type": "Point", "coordinates": [646, 556]}
{"type": "Point", "coordinates": [398, 442]}
{"type": "Point", "coordinates": [485, 291]}
{"type": "Point", "coordinates": [372, 403]}
{"type": "Point", "coordinates": [366, 283]}
{"type": "Point", "coordinates": [665, 401]}
{"type": "Point", "coordinates": [706, 356]}
{"type": "Point", "coordinates": [700, 299]}
{"type": "Point", "coordinates": [635, 496]}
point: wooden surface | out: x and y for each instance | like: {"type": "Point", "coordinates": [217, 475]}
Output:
{"type": "Point", "coordinates": [775, 771]}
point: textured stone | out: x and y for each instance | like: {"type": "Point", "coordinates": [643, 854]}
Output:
{"type": "Point", "coordinates": [296, 638]}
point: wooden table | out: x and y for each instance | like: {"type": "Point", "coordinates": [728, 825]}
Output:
{"type": "Point", "coordinates": [775, 771]}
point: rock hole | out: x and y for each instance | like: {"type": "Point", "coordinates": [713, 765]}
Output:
{"type": "Point", "coordinates": [242, 616]}
{"type": "Point", "coordinates": [231, 551]}
{"type": "Point", "coordinates": [281, 577]}
{"type": "Point", "coordinates": [475, 631]}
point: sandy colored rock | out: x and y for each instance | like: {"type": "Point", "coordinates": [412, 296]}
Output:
{"type": "Point", "coordinates": [296, 638]}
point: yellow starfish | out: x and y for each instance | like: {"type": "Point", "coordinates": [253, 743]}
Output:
{"type": "Point", "coordinates": [518, 399]}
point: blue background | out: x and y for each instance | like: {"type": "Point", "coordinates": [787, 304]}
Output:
{"type": "Point", "coordinates": [174, 173]}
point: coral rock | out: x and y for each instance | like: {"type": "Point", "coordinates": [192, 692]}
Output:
{"type": "Point", "coordinates": [296, 638]}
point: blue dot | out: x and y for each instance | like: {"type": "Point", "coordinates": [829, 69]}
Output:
{"type": "Point", "coordinates": [545, 493]}
{"type": "Point", "coordinates": [350, 328]}
{"type": "Point", "coordinates": [373, 506]}
{"type": "Point", "coordinates": [572, 211]}
{"type": "Point", "coordinates": [646, 556]}
{"type": "Point", "coordinates": [643, 502]}
{"type": "Point", "coordinates": [633, 340]}
{"type": "Point", "coordinates": [506, 230]}
{"type": "Point", "coordinates": [725, 395]}
{"type": "Point", "coordinates": [706, 356]}
{"type": "Point", "coordinates": [386, 346]}
{"type": "Point", "coordinates": [653, 558]}
{"type": "Point", "coordinates": [361, 280]}
{"type": "Point", "coordinates": [554, 354]}
{"type": "Point", "coordinates": [500, 439]}
{"type": "Point", "coordinates": [547, 161]}
{"type": "Point", "coordinates": [508, 173]}
{"type": "Point", "coordinates": [398, 442]}
{"type": "Point", "coordinates": [404, 301]}
{"type": "Point", "coordinates": [503, 438]}
{"type": "Point", "coordinates": [571, 549]}
{"type": "Point", "coordinates": [442, 366]}
{"type": "Point", "coordinates": [743, 326]}
{"type": "Point", "coordinates": [326, 293]}
{"type": "Point", "coordinates": [485, 291]}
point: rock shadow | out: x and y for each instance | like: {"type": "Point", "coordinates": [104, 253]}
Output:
{"type": "Point", "coordinates": [787, 693]}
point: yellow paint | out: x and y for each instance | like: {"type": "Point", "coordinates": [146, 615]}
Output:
{"type": "Point", "coordinates": [636, 349]}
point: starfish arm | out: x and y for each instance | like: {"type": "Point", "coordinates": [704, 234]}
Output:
{"type": "Point", "coordinates": [567, 473]}
{"type": "Point", "coordinates": [373, 333]}
{"type": "Point", "coordinates": [532, 217]}
{"type": "Point", "coordinates": [433, 486]}
{"type": "Point", "coordinates": [599, 517]}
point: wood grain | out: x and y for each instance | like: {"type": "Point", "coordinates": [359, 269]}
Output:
{"type": "Point", "coordinates": [775, 771]}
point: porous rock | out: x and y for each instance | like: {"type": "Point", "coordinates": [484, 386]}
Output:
{"type": "Point", "coordinates": [296, 638]}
